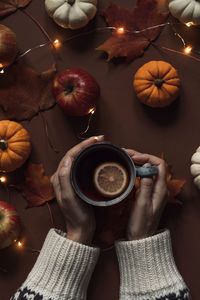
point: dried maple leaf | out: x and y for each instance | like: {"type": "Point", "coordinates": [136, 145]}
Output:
{"type": "Point", "coordinates": [131, 45]}
{"type": "Point", "coordinates": [37, 188]}
{"type": "Point", "coordinates": [8, 7]}
{"type": "Point", "coordinates": [175, 186]}
{"type": "Point", "coordinates": [24, 92]}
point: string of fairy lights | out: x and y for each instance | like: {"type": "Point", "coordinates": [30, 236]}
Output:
{"type": "Point", "coordinates": [187, 50]}
{"type": "Point", "coordinates": [57, 43]}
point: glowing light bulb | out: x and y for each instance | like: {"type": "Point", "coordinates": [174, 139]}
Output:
{"type": "Point", "coordinates": [19, 244]}
{"type": "Point", "coordinates": [3, 179]}
{"type": "Point", "coordinates": [57, 43]}
{"type": "Point", "coordinates": [188, 49]}
{"type": "Point", "coordinates": [92, 111]}
{"type": "Point", "coordinates": [189, 24]}
{"type": "Point", "coordinates": [1, 68]}
{"type": "Point", "coordinates": [120, 30]}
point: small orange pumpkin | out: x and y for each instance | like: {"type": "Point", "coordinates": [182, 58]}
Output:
{"type": "Point", "coordinates": [15, 145]}
{"type": "Point", "coordinates": [157, 84]}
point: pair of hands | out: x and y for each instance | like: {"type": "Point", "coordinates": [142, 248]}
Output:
{"type": "Point", "coordinates": [147, 207]}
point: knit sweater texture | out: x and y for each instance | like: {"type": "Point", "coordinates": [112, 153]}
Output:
{"type": "Point", "coordinates": [63, 270]}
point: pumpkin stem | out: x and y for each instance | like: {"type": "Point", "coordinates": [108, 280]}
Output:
{"type": "Point", "coordinates": [159, 82]}
{"type": "Point", "coordinates": [3, 145]}
{"type": "Point", "coordinates": [71, 2]}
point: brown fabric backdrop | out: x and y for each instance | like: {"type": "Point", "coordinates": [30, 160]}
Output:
{"type": "Point", "coordinates": [125, 122]}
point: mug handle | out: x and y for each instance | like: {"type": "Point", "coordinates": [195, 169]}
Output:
{"type": "Point", "coordinates": [146, 171]}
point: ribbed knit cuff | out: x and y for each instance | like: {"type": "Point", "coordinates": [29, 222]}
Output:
{"type": "Point", "coordinates": [63, 268]}
{"type": "Point", "coordinates": [148, 270]}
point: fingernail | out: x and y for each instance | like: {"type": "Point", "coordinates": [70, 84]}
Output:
{"type": "Point", "coordinates": [99, 138]}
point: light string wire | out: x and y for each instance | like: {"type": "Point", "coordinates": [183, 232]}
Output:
{"type": "Point", "coordinates": [187, 50]}
{"type": "Point", "coordinates": [34, 20]}
{"type": "Point", "coordinates": [178, 35]}
{"type": "Point", "coordinates": [21, 245]}
{"type": "Point", "coordinates": [17, 243]}
{"type": "Point", "coordinates": [82, 133]}
{"type": "Point", "coordinates": [119, 31]}
{"type": "Point", "coordinates": [47, 132]}
{"type": "Point", "coordinates": [57, 43]}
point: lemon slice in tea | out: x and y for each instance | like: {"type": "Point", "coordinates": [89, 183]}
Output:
{"type": "Point", "coordinates": [110, 179]}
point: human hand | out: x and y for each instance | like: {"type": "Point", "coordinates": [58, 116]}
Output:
{"type": "Point", "coordinates": [150, 198]}
{"type": "Point", "coordinates": [79, 217]}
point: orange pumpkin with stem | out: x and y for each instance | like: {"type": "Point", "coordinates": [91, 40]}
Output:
{"type": "Point", "coordinates": [157, 84]}
{"type": "Point", "coordinates": [15, 145]}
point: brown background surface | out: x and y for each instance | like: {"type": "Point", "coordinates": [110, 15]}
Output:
{"type": "Point", "coordinates": [125, 122]}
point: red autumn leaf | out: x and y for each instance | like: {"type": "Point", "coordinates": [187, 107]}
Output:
{"type": "Point", "coordinates": [175, 186]}
{"type": "Point", "coordinates": [8, 7]}
{"type": "Point", "coordinates": [131, 45]}
{"type": "Point", "coordinates": [37, 188]}
{"type": "Point", "coordinates": [24, 92]}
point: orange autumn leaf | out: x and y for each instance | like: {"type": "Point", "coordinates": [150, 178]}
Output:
{"type": "Point", "coordinates": [37, 188]}
{"type": "Point", "coordinates": [175, 186]}
{"type": "Point", "coordinates": [131, 45]}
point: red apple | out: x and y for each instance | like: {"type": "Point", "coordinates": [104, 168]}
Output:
{"type": "Point", "coordinates": [9, 224]}
{"type": "Point", "coordinates": [76, 91]}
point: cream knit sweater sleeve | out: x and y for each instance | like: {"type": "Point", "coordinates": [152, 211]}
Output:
{"type": "Point", "coordinates": [61, 272]}
{"type": "Point", "coordinates": [148, 270]}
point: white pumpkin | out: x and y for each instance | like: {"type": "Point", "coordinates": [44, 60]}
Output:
{"type": "Point", "coordinates": [186, 10]}
{"type": "Point", "coordinates": [71, 14]}
{"type": "Point", "coordinates": [195, 167]}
